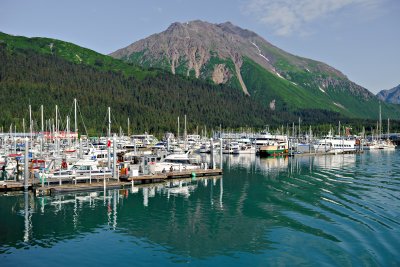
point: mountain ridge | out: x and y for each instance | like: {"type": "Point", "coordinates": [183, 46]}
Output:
{"type": "Point", "coordinates": [34, 74]}
{"type": "Point", "coordinates": [390, 95]}
{"type": "Point", "coordinates": [224, 54]}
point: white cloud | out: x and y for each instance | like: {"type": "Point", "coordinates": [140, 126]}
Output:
{"type": "Point", "coordinates": [286, 17]}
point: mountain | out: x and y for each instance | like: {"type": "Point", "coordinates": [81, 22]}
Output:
{"type": "Point", "coordinates": [49, 72]}
{"type": "Point", "coordinates": [227, 54]}
{"type": "Point", "coordinates": [391, 95]}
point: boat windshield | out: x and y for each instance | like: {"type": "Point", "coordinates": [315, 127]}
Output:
{"type": "Point", "coordinates": [81, 167]}
{"type": "Point", "coordinates": [178, 161]}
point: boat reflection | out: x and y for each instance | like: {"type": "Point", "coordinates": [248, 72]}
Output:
{"type": "Point", "coordinates": [198, 218]}
{"type": "Point", "coordinates": [275, 165]}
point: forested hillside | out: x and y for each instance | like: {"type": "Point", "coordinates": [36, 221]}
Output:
{"type": "Point", "coordinates": [152, 99]}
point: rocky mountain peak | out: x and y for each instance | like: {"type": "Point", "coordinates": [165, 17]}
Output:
{"type": "Point", "coordinates": [218, 51]}
{"type": "Point", "coordinates": [391, 95]}
{"type": "Point", "coordinates": [230, 28]}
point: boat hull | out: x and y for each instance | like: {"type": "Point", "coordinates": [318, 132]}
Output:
{"type": "Point", "coordinates": [272, 152]}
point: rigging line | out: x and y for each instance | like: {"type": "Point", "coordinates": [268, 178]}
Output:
{"type": "Point", "coordinates": [115, 120]}
{"type": "Point", "coordinates": [69, 115]}
{"type": "Point", "coordinates": [104, 125]}
{"type": "Point", "coordinates": [83, 122]}
{"type": "Point", "coordinates": [60, 121]}
{"type": "Point", "coordinates": [71, 109]}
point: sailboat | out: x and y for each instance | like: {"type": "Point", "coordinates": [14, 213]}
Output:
{"type": "Point", "coordinates": [381, 144]}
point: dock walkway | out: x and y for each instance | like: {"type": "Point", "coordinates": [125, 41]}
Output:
{"type": "Point", "coordinates": [68, 184]}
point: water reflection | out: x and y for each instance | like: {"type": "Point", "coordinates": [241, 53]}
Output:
{"type": "Point", "coordinates": [255, 207]}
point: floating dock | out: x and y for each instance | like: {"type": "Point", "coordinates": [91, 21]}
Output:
{"type": "Point", "coordinates": [173, 175]}
{"type": "Point", "coordinates": [65, 188]}
{"type": "Point", "coordinates": [324, 153]}
{"type": "Point", "coordinates": [7, 186]}
{"type": "Point", "coordinates": [110, 183]}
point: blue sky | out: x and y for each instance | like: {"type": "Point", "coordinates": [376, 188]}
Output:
{"type": "Point", "coordinates": [361, 38]}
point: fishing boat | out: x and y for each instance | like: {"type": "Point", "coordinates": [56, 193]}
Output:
{"type": "Point", "coordinates": [273, 149]}
{"type": "Point", "coordinates": [265, 139]}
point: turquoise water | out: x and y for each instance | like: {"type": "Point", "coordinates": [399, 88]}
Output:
{"type": "Point", "coordinates": [341, 210]}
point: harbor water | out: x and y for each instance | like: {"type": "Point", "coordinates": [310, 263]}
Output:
{"type": "Point", "coordinates": [334, 210]}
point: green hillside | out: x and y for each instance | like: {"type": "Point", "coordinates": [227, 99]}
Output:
{"type": "Point", "coordinates": [300, 90]}
{"type": "Point", "coordinates": [351, 99]}
{"type": "Point", "coordinates": [266, 87]}
{"type": "Point", "coordinates": [241, 59]}
{"type": "Point", "coordinates": [72, 53]}
{"type": "Point", "coordinates": [30, 74]}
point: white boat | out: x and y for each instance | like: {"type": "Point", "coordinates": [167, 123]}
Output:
{"type": "Point", "coordinates": [143, 140]}
{"type": "Point", "coordinates": [245, 149]}
{"type": "Point", "coordinates": [174, 162]}
{"type": "Point", "coordinates": [337, 144]}
{"type": "Point", "coordinates": [205, 148]}
{"type": "Point", "coordinates": [230, 147]}
{"type": "Point", "coordinates": [81, 167]}
{"type": "Point", "coordinates": [265, 138]}
{"type": "Point", "coordinates": [98, 154]}
{"type": "Point", "coordinates": [382, 145]}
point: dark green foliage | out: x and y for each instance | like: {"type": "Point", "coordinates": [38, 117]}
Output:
{"type": "Point", "coordinates": [31, 73]}
{"type": "Point", "coordinates": [72, 53]}
{"type": "Point", "coordinates": [208, 69]}
{"type": "Point", "coordinates": [152, 103]}
{"type": "Point", "coordinates": [265, 87]}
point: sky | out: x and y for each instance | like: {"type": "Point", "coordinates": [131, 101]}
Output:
{"type": "Point", "coordinates": [361, 38]}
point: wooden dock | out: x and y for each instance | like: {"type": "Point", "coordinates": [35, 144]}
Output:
{"type": "Point", "coordinates": [6, 186]}
{"type": "Point", "coordinates": [325, 153]}
{"type": "Point", "coordinates": [124, 182]}
{"type": "Point", "coordinates": [65, 188]}
{"type": "Point", "coordinates": [173, 175]}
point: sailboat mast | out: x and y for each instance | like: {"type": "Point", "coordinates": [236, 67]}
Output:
{"type": "Point", "coordinates": [178, 130]}
{"type": "Point", "coordinates": [185, 134]}
{"type": "Point", "coordinates": [56, 129]}
{"type": "Point", "coordinates": [41, 117]}
{"type": "Point", "coordinates": [30, 120]}
{"type": "Point", "coordinates": [380, 121]}
{"type": "Point", "coordinates": [68, 132]}
{"type": "Point", "coordinates": [388, 130]}
{"type": "Point", "coordinates": [75, 116]}
{"type": "Point", "coordinates": [299, 129]}
{"type": "Point", "coordinates": [109, 122]}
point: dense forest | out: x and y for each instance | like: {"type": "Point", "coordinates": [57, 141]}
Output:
{"type": "Point", "coordinates": [152, 103]}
